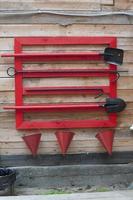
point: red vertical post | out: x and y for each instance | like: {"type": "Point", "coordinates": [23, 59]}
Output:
{"type": "Point", "coordinates": [18, 84]}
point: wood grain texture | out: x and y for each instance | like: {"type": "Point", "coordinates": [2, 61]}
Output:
{"type": "Point", "coordinates": [66, 18]}
{"type": "Point", "coordinates": [51, 4]}
{"type": "Point", "coordinates": [84, 141]}
{"type": "Point", "coordinates": [107, 2]}
{"type": "Point", "coordinates": [124, 82]}
{"type": "Point", "coordinates": [51, 151]}
{"type": "Point", "coordinates": [71, 30]}
{"type": "Point", "coordinates": [123, 5]}
{"type": "Point", "coordinates": [7, 43]}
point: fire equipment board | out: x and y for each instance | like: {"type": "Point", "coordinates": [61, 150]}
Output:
{"type": "Point", "coordinates": [20, 90]}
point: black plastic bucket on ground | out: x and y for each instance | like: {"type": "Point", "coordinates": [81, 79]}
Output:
{"type": "Point", "coordinates": [7, 180]}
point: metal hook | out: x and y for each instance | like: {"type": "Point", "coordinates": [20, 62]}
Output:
{"type": "Point", "coordinates": [117, 78]}
{"type": "Point", "coordinates": [100, 94]}
{"type": "Point", "coordinates": [9, 70]}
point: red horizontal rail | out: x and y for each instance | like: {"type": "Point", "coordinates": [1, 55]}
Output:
{"type": "Point", "coordinates": [71, 71]}
{"type": "Point", "coordinates": [56, 73]}
{"type": "Point", "coordinates": [66, 90]}
{"type": "Point", "coordinates": [55, 107]}
{"type": "Point", "coordinates": [66, 124]}
{"type": "Point", "coordinates": [63, 40]}
{"type": "Point", "coordinates": [68, 56]}
{"type": "Point", "coordinates": [62, 74]}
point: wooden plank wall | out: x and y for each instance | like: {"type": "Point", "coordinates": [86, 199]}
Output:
{"type": "Point", "coordinates": [48, 24]}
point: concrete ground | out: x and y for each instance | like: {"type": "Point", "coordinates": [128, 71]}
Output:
{"type": "Point", "coordinates": [47, 177]}
{"type": "Point", "coordinates": [115, 195]}
{"type": "Point", "coordinates": [80, 182]}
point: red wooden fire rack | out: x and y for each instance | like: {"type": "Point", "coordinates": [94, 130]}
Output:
{"type": "Point", "coordinates": [20, 90]}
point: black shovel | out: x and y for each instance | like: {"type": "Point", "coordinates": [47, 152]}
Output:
{"type": "Point", "coordinates": [114, 105]}
{"type": "Point", "coordinates": [113, 56]}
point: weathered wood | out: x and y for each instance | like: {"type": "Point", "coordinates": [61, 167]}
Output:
{"type": "Point", "coordinates": [125, 82]}
{"type": "Point", "coordinates": [13, 135]}
{"type": "Point", "coordinates": [7, 97]}
{"type": "Point", "coordinates": [51, 151]}
{"type": "Point", "coordinates": [90, 143]}
{"type": "Point", "coordinates": [65, 19]}
{"type": "Point", "coordinates": [84, 141]}
{"type": "Point", "coordinates": [123, 5]}
{"type": "Point", "coordinates": [7, 44]}
{"type": "Point", "coordinates": [107, 2]}
{"type": "Point", "coordinates": [56, 30]}
{"type": "Point", "coordinates": [51, 4]}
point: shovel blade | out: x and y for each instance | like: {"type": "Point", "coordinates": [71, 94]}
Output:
{"type": "Point", "coordinates": [113, 56]}
{"type": "Point", "coordinates": [114, 105]}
